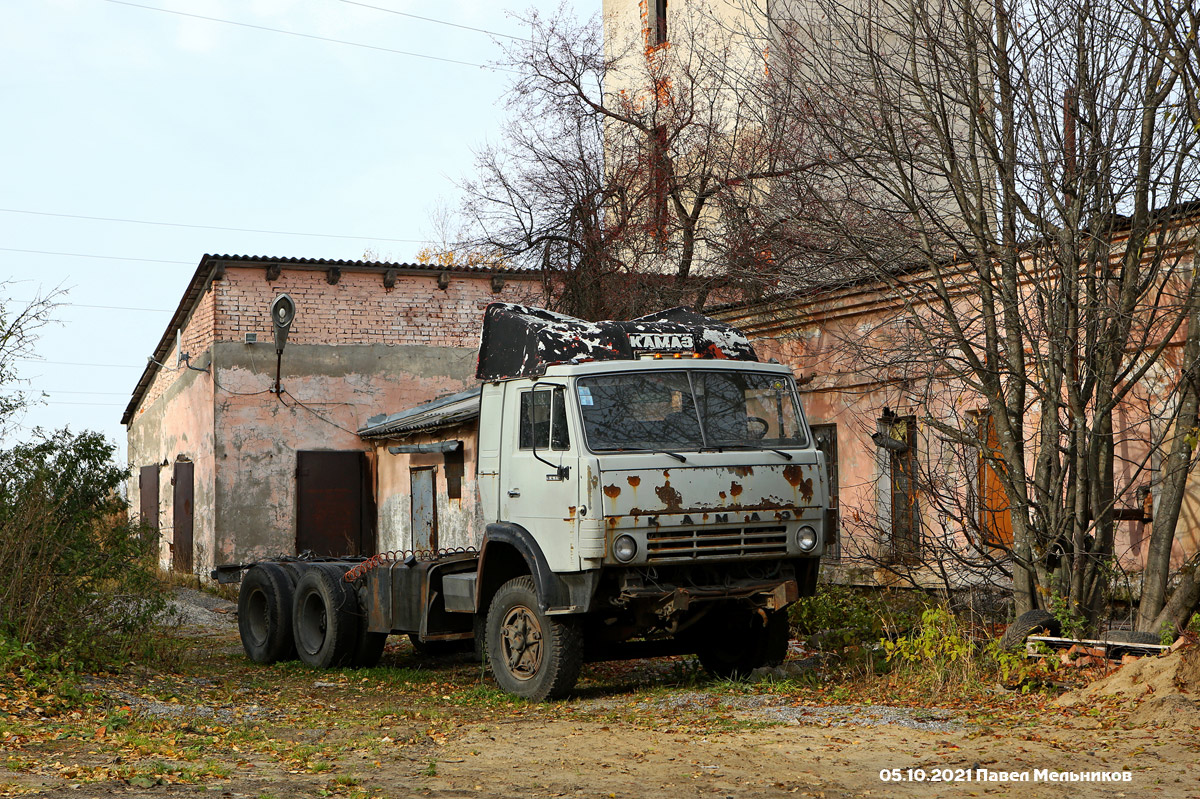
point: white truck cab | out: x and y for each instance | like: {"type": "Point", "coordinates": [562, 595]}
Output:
{"type": "Point", "coordinates": [655, 461]}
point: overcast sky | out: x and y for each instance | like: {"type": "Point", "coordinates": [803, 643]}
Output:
{"type": "Point", "coordinates": [119, 111]}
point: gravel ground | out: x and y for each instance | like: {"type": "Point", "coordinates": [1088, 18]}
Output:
{"type": "Point", "coordinates": [772, 708]}
{"type": "Point", "coordinates": [226, 714]}
{"type": "Point", "coordinates": [192, 608]}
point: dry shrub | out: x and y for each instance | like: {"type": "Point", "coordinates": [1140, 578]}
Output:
{"type": "Point", "coordinates": [76, 578]}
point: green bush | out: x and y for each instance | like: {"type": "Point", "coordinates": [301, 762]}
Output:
{"type": "Point", "coordinates": [76, 578]}
{"type": "Point", "coordinates": [838, 616]}
{"type": "Point", "coordinates": [940, 651]}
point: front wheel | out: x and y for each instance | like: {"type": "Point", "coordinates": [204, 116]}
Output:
{"type": "Point", "coordinates": [737, 643]}
{"type": "Point", "coordinates": [533, 655]}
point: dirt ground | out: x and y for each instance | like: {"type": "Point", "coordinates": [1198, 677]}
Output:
{"type": "Point", "coordinates": [650, 730]}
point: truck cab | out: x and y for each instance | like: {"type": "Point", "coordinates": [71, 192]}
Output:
{"type": "Point", "coordinates": [683, 461]}
{"type": "Point", "coordinates": [668, 498]}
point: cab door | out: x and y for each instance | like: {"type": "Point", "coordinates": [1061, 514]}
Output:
{"type": "Point", "coordinates": [538, 483]}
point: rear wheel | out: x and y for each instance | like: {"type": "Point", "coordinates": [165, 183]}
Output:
{"type": "Point", "coordinates": [533, 655]}
{"type": "Point", "coordinates": [325, 618]}
{"type": "Point", "coordinates": [265, 614]}
{"type": "Point", "coordinates": [738, 642]}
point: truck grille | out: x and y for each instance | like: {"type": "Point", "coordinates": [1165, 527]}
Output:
{"type": "Point", "coordinates": [719, 543]}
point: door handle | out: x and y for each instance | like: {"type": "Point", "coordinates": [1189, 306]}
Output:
{"type": "Point", "coordinates": [514, 492]}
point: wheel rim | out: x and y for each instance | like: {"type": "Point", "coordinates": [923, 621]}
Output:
{"type": "Point", "coordinates": [256, 617]}
{"type": "Point", "coordinates": [522, 641]}
{"type": "Point", "coordinates": [313, 623]}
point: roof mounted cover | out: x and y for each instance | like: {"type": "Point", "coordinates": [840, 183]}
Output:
{"type": "Point", "coordinates": [519, 341]}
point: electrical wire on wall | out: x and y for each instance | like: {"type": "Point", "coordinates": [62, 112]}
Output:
{"type": "Point", "coordinates": [314, 413]}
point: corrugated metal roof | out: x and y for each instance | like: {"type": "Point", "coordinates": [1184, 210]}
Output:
{"type": "Point", "coordinates": [325, 263]}
{"type": "Point", "coordinates": [444, 412]}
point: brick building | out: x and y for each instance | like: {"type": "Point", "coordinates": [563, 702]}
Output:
{"type": "Point", "coordinates": [898, 512]}
{"type": "Point", "coordinates": [226, 469]}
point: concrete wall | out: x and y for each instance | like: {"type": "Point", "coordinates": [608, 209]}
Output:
{"type": "Point", "coordinates": [459, 521]}
{"type": "Point", "coordinates": [328, 392]}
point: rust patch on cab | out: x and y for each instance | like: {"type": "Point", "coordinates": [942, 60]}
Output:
{"type": "Point", "coordinates": [670, 497]}
{"type": "Point", "coordinates": [612, 491]}
{"type": "Point", "coordinates": [742, 471]}
{"type": "Point", "coordinates": [794, 474]}
{"type": "Point", "coordinates": [806, 489]}
{"type": "Point", "coordinates": [735, 489]}
{"type": "Point", "coordinates": [634, 480]}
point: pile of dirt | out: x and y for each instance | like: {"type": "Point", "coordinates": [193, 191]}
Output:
{"type": "Point", "coordinates": [1158, 691]}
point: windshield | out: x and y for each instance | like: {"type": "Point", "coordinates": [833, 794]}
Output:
{"type": "Point", "coordinates": [690, 410]}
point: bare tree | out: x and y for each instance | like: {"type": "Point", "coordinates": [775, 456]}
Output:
{"type": "Point", "coordinates": [19, 326]}
{"type": "Point", "coordinates": [1017, 178]}
{"type": "Point", "coordinates": [630, 172]}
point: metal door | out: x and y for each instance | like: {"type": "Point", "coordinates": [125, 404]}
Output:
{"type": "Point", "coordinates": [424, 508]}
{"type": "Point", "coordinates": [181, 540]}
{"type": "Point", "coordinates": [148, 491]}
{"type": "Point", "coordinates": [335, 512]}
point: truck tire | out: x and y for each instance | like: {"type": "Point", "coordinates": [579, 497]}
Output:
{"type": "Point", "coordinates": [1026, 624]}
{"type": "Point", "coordinates": [738, 642]}
{"type": "Point", "coordinates": [265, 614]}
{"type": "Point", "coordinates": [534, 656]}
{"type": "Point", "coordinates": [325, 618]}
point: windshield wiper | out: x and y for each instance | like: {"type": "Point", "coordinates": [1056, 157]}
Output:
{"type": "Point", "coordinates": [674, 455]}
{"type": "Point", "coordinates": [759, 447]}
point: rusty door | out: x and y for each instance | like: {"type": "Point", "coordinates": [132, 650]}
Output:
{"type": "Point", "coordinates": [906, 521]}
{"type": "Point", "coordinates": [335, 512]}
{"type": "Point", "coordinates": [148, 491]}
{"type": "Point", "coordinates": [181, 547]}
{"type": "Point", "coordinates": [995, 518]}
{"type": "Point", "coordinates": [424, 508]}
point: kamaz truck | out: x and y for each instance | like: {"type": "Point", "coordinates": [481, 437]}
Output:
{"type": "Point", "coordinates": [642, 488]}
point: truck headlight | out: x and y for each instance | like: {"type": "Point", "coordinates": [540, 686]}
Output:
{"type": "Point", "coordinates": [806, 539]}
{"type": "Point", "coordinates": [624, 548]}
